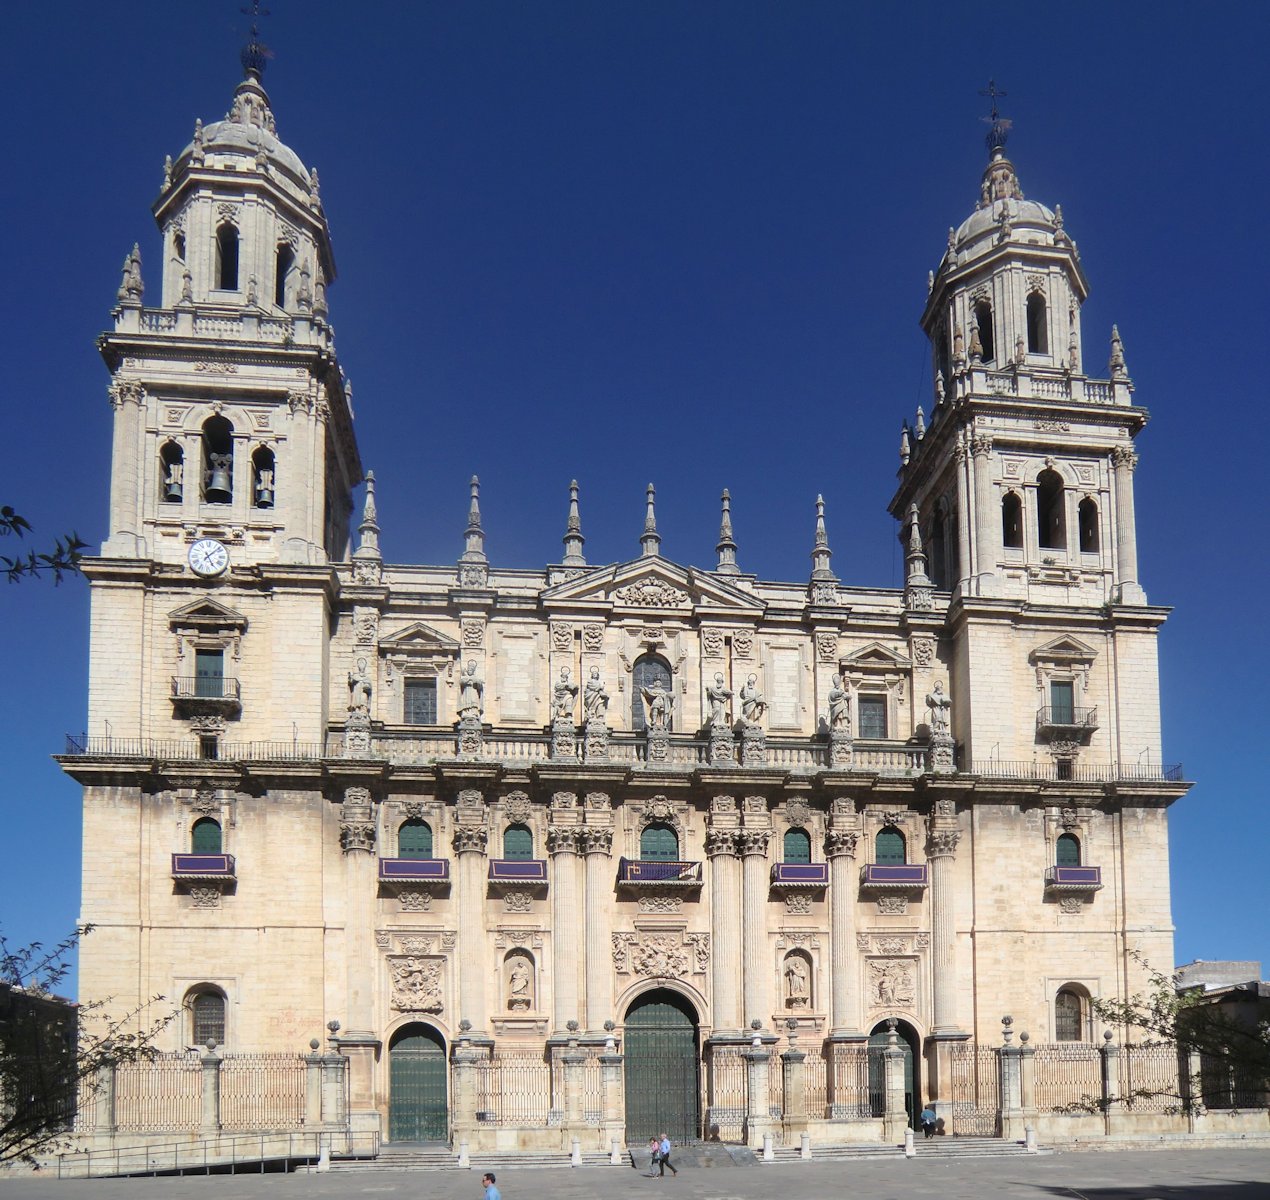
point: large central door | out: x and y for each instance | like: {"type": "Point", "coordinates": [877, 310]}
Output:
{"type": "Point", "coordinates": [663, 1091]}
{"type": "Point", "coordinates": [417, 1109]}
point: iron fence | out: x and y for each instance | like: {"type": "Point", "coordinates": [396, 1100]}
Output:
{"type": "Point", "coordinates": [728, 1091]}
{"type": "Point", "coordinates": [514, 1089]}
{"type": "Point", "coordinates": [159, 1094]}
{"type": "Point", "coordinates": [851, 1097]}
{"type": "Point", "coordinates": [814, 1082]}
{"type": "Point", "coordinates": [976, 1090]}
{"type": "Point", "coordinates": [1149, 1077]}
{"type": "Point", "coordinates": [1067, 1076]}
{"type": "Point", "coordinates": [1225, 1084]}
{"type": "Point", "coordinates": [262, 1091]}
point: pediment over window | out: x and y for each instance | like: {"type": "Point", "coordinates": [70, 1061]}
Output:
{"type": "Point", "coordinates": [874, 657]}
{"type": "Point", "coordinates": [418, 639]}
{"type": "Point", "coordinates": [651, 585]}
{"type": "Point", "coordinates": [1064, 651]}
{"type": "Point", "coordinates": [207, 615]}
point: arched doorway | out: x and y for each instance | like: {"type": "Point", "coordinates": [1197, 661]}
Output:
{"type": "Point", "coordinates": [911, 1046]}
{"type": "Point", "coordinates": [417, 1110]}
{"type": "Point", "coordinates": [663, 1091]}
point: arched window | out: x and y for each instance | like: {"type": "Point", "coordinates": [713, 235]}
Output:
{"type": "Point", "coordinates": [659, 843]}
{"type": "Point", "coordinates": [1087, 514]}
{"type": "Point", "coordinates": [218, 460]}
{"type": "Point", "coordinates": [172, 466]}
{"type": "Point", "coordinates": [207, 1017]}
{"type": "Point", "coordinates": [518, 842]}
{"type": "Point", "coordinates": [205, 837]}
{"type": "Point", "coordinates": [282, 273]}
{"type": "Point", "coordinates": [888, 846]}
{"type": "Point", "coordinates": [648, 671]}
{"type": "Point", "coordinates": [1037, 334]}
{"type": "Point", "coordinates": [1069, 1016]}
{"type": "Point", "coordinates": [1067, 850]}
{"type": "Point", "coordinates": [227, 258]}
{"type": "Point", "coordinates": [983, 318]}
{"type": "Point", "coordinates": [1051, 523]}
{"type": "Point", "coordinates": [414, 840]}
{"type": "Point", "coordinates": [938, 545]}
{"type": "Point", "coordinates": [262, 478]}
{"type": "Point", "coordinates": [797, 846]}
{"type": "Point", "coordinates": [943, 361]}
{"type": "Point", "coordinates": [1011, 521]}
{"type": "Point", "coordinates": [178, 245]}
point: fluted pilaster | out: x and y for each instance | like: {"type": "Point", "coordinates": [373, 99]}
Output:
{"type": "Point", "coordinates": [562, 845]}
{"type": "Point", "coordinates": [1123, 462]}
{"type": "Point", "coordinates": [469, 850]}
{"type": "Point", "coordinates": [941, 847]}
{"type": "Point", "coordinates": [987, 516]}
{"type": "Point", "coordinates": [597, 845]}
{"type": "Point", "coordinates": [752, 844]}
{"type": "Point", "coordinates": [725, 939]}
{"type": "Point", "coordinates": [840, 847]}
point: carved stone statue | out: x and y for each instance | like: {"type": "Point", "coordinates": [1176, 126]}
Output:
{"type": "Point", "coordinates": [359, 688]}
{"type": "Point", "coordinates": [839, 706]}
{"type": "Point", "coordinates": [718, 694]}
{"type": "Point", "coordinates": [595, 700]}
{"type": "Point", "coordinates": [563, 696]}
{"type": "Point", "coordinates": [940, 711]}
{"type": "Point", "coordinates": [416, 985]}
{"type": "Point", "coordinates": [471, 693]}
{"type": "Point", "coordinates": [659, 704]}
{"type": "Point", "coordinates": [520, 986]}
{"type": "Point", "coordinates": [753, 703]}
{"type": "Point", "coordinates": [796, 982]}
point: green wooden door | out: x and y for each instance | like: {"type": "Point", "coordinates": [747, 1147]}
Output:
{"type": "Point", "coordinates": [877, 1075]}
{"type": "Point", "coordinates": [662, 1072]}
{"type": "Point", "coordinates": [417, 1077]}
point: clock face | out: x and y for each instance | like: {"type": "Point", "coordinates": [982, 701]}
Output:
{"type": "Point", "coordinates": [208, 557]}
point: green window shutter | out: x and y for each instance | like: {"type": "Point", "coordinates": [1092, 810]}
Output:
{"type": "Point", "coordinates": [659, 843]}
{"type": "Point", "coordinates": [1067, 852]}
{"type": "Point", "coordinates": [414, 840]}
{"type": "Point", "coordinates": [518, 842]}
{"type": "Point", "coordinates": [205, 837]}
{"type": "Point", "coordinates": [797, 846]}
{"type": "Point", "coordinates": [889, 847]}
{"type": "Point", "coordinates": [1062, 702]}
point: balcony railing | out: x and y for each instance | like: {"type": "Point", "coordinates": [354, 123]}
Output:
{"type": "Point", "coordinates": [203, 866]}
{"type": "Point", "coordinates": [894, 877]}
{"type": "Point", "coordinates": [633, 872]}
{"type": "Point", "coordinates": [522, 871]}
{"type": "Point", "coordinates": [1073, 879]}
{"type": "Point", "coordinates": [800, 875]}
{"type": "Point", "coordinates": [414, 870]}
{"type": "Point", "coordinates": [205, 687]}
{"type": "Point", "coordinates": [1043, 770]}
{"type": "Point", "coordinates": [1067, 717]}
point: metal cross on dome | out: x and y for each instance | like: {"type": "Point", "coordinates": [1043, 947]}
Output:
{"type": "Point", "coordinates": [998, 126]}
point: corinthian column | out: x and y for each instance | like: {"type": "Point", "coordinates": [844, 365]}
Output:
{"type": "Point", "coordinates": [941, 847]}
{"type": "Point", "coordinates": [725, 941]}
{"type": "Point", "coordinates": [598, 846]}
{"type": "Point", "coordinates": [964, 566]}
{"type": "Point", "coordinates": [840, 846]}
{"type": "Point", "coordinates": [753, 846]}
{"type": "Point", "coordinates": [562, 845]}
{"type": "Point", "coordinates": [987, 519]}
{"type": "Point", "coordinates": [469, 849]}
{"type": "Point", "coordinates": [1123, 462]}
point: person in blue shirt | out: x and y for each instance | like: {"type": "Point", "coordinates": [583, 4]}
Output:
{"type": "Point", "coordinates": [491, 1192]}
{"type": "Point", "coordinates": [664, 1161]}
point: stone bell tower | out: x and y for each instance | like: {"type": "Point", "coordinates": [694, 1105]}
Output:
{"type": "Point", "coordinates": [1020, 481]}
{"type": "Point", "coordinates": [1023, 471]}
{"type": "Point", "coordinates": [233, 422]}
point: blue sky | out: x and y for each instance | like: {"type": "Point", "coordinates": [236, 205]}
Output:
{"type": "Point", "coordinates": [685, 242]}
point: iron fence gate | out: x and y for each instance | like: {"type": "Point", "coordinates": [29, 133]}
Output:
{"type": "Point", "coordinates": [663, 1079]}
{"type": "Point", "coordinates": [976, 1086]}
{"type": "Point", "coordinates": [417, 1109]}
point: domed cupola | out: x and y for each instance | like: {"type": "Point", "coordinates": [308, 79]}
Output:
{"type": "Point", "coordinates": [241, 214]}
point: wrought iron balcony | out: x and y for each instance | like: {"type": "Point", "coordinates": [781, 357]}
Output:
{"type": "Point", "coordinates": [636, 873]}
{"type": "Point", "coordinates": [1065, 720]}
{"type": "Point", "coordinates": [203, 693]}
{"type": "Point", "coordinates": [792, 876]}
{"type": "Point", "coordinates": [414, 870]}
{"type": "Point", "coordinates": [894, 877]}
{"type": "Point", "coordinates": [194, 867]}
{"type": "Point", "coordinates": [517, 872]}
{"type": "Point", "coordinates": [1073, 879]}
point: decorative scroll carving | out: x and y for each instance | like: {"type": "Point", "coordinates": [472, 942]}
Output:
{"type": "Point", "coordinates": [415, 901]}
{"type": "Point", "coordinates": [594, 840]}
{"type": "Point", "coordinates": [563, 839]}
{"type": "Point", "coordinates": [712, 642]}
{"type": "Point", "coordinates": [752, 841]}
{"type": "Point", "coordinates": [941, 843]}
{"type": "Point", "coordinates": [827, 647]}
{"type": "Point", "coordinates": [658, 809]}
{"type": "Point", "coordinates": [720, 841]}
{"type": "Point", "coordinates": [517, 807]}
{"type": "Point", "coordinates": [893, 905]}
{"type": "Point", "coordinates": [599, 801]}
{"type": "Point", "coordinates": [651, 593]}
{"type": "Point", "coordinates": [743, 643]}
{"type": "Point", "coordinates": [593, 638]}
{"type": "Point", "coordinates": [564, 800]}
{"type": "Point", "coordinates": [923, 652]}
{"type": "Point", "coordinates": [661, 955]}
{"type": "Point", "coordinates": [470, 837]}
{"type": "Point", "coordinates": [204, 897]}
{"type": "Point", "coordinates": [473, 634]}
{"type": "Point", "coordinates": [518, 901]}
{"type": "Point", "coordinates": [798, 904]}
{"type": "Point", "coordinates": [561, 635]}
{"type": "Point", "coordinates": [797, 811]}
{"type": "Point", "coordinates": [660, 904]}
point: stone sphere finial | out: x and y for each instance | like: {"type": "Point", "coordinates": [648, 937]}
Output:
{"type": "Point", "coordinates": [610, 1025]}
{"type": "Point", "coordinates": [211, 1045]}
{"type": "Point", "coordinates": [465, 1025]}
{"type": "Point", "coordinates": [314, 1044]}
{"type": "Point", "coordinates": [572, 1026]}
{"type": "Point", "coordinates": [333, 1026]}
{"type": "Point", "coordinates": [1107, 1035]}
{"type": "Point", "coordinates": [756, 1024]}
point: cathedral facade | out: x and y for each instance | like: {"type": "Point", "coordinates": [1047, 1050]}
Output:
{"type": "Point", "coordinates": [612, 848]}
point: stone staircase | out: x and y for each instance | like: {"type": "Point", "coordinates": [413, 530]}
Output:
{"type": "Point", "coordinates": [401, 1157]}
{"type": "Point", "coordinates": [943, 1148]}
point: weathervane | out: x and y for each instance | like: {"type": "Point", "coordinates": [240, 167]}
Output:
{"type": "Point", "coordinates": [255, 54]}
{"type": "Point", "coordinates": [998, 126]}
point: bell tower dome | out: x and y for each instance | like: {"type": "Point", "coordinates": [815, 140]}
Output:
{"type": "Point", "coordinates": [1022, 475]}
{"type": "Point", "coordinates": [233, 420]}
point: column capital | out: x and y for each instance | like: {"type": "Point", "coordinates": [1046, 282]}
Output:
{"type": "Point", "coordinates": [841, 843]}
{"type": "Point", "coordinates": [357, 822]}
{"type": "Point", "coordinates": [470, 838]}
{"type": "Point", "coordinates": [594, 839]}
{"type": "Point", "coordinates": [942, 843]}
{"type": "Point", "coordinates": [720, 842]}
{"type": "Point", "coordinates": [1123, 458]}
{"type": "Point", "coordinates": [980, 445]}
{"type": "Point", "coordinates": [753, 842]}
{"type": "Point", "coordinates": [563, 839]}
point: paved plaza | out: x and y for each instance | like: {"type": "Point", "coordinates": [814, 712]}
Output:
{"type": "Point", "coordinates": [1129, 1175]}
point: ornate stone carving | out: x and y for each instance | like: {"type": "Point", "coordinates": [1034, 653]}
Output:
{"type": "Point", "coordinates": [518, 902]}
{"type": "Point", "coordinates": [797, 811]}
{"type": "Point", "coordinates": [207, 725]}
{"type": "Point", "coordinates": [357, 827]}
{"type": "Point", "coordinates": [842, 806]}
{"type": "Point", "coordinates": [416, 983]}
{"type": "Point", "coordinates": [564, 696]}
{"type": "Point", "coordinates": [561, 636]}
{"type": "Point", "coordinates": [941, 843]}
{"type": "Point", "coordinates": [752, 841]}
{"type": "Point", "coordinates": [595, 741]}
{"type": "Point", "coordinates": [755, 805]}
{"type": "Point", "coordinates": [891, 816]}
{"type": "Point", "coordinates": [564, 800]}
{"type": "Point", "coordinates": [415, 901]}
{"type": "Point", "coordinates": [1068, 818]}
{"type": "Point", "coordinates": [204, 802]}
{"type": "Point", "coordinates": [712, 642]}
{"type": "Point", "coordinates": [658, 808]}
{"type": "Point", "coordinates": [798, 904]}
{"type": "Point", "coordinates": [661, 955]}
{"type": "Point", "coordinates": [827, 647]}
{"type": "Point", "coordinates": [595, 840]}
{"type": "Point", "coordinates": [651, 593]}
{"type": "Point", "coordinates": [923, 652]}
{"type": "Point", "coordinates": [893, 905]}
{"type": "Point", "coordinates": [473, 634]}
{"type": "Point", "coordinates": [945, 807]}
{"type": "Point", "coordinates": [471, 738]}
{"type": "Point", "coordinates": [1124, 458]}
{"type": "Point", "coordinates": [839, 707]}
{"type": "Point", "coordinates": [980, 446]}
{"type": "Point", "coordinates": [599, 801]}
{"type": "Point", "coordinates": [471, 692]}
{"type": "Point", "coordinates": [824, 593]}
{"type": "Point", "coordinates": [669, 903]}
{"type": "Point", "coordinates": [1070, 905]}
{"type": "Point", "coordinates": [470, 838]}
{"type": "Point", "coordinates": [891, 983]}
{"type": "Point", "coordinates": [797, 974]}
{"type": "Point", "coordinates": [520, 984]}
{"type": "Point", "coordinates": [204, 897]}
{"type": "Point", "coordinates": [470, 804]}
{"type": "Point", "coordinates": [593, 638]}
{"type": "Point", "coordinates": [722, 745]}
{"type": "Point", "coordinates": [720, 841]}
{"type": "Point", "coordinates": [563, 839]}
{"type": "Point", "coordinates": [841, 842]}
{"type": "Point", "coordinates": [517, 807]}
{"type": "Point", "coordinates": [473, 575]}
{"type": "Point", "coordinates": [743, 643]}
{"type": "Point", "coordinates": [723, 804]}
{"type": "Point", "coordinates": [365, 625]}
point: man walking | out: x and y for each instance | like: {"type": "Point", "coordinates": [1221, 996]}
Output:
{"type": "Point", "coordinates": [664, 1161]}
{"type": "Point", "coordinates": [491, 1192]}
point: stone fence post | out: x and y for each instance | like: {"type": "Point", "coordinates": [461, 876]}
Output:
{"type": "Point", "coordinates": [1011, 1099]}
{"type": "Point", "coordinates": [895, 1114]}
{"type": "Point", "coordinates": [611, 1075]}
{"type": "Point", "coordinates": [104, 1099]}
{"type": "Point", "coordinates": [1112, 1102]}
{"type": "Point", "coordinates": [209, 1121]}
{"type": "Point", "coordinates": [334, 1091]}
{"type": "Point", "coordinates": [313, 1085]}
{"type": "Point", "coordinates": [466, 1060]}
{"type": "Point", "coordinates": [758, 1119]}
{"type": "Point", "coordinates": [794, 1086]}
{"type": "Point", "coordinates": [573, 1061]}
